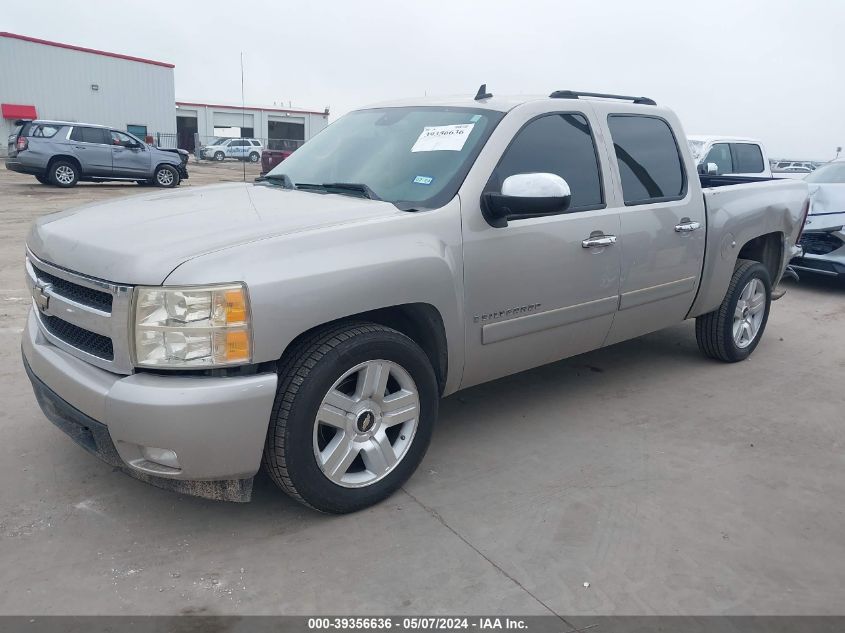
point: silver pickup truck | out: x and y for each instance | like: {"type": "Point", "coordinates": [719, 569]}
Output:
{"type": "Point", "coordinates": [311, 321]}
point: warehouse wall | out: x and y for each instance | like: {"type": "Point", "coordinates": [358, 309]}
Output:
{"type": "Point", "coordinates": [257, 117]}
{"type": "Point", "coordinates": [57, 81]}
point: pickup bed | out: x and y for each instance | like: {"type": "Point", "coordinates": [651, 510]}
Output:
{"type": "Point", "coordinates": [310, 322]}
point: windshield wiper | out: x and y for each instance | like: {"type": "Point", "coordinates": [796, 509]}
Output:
{"type": "Point", "coordinates": [281, 179]}
{"type": "Point", "coordinates": [341, 187]}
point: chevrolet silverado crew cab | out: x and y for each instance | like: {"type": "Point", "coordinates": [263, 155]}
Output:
{"type": "Point", "coordinates": [310, 322]}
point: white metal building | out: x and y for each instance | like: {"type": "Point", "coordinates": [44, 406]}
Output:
{"type": "Point", "coordinates": [277, 128]}
{"type": "Point", "coordinates": [50, 80]}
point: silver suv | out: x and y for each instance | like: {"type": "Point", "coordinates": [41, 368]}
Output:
{"type": "Point", "coordinates": [62, 153]}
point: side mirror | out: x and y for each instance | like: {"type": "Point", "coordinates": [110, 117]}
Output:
{"type": "Point", "coordinates": [526, 196]}
{"type": "Point", "coordinates": [712, 168]}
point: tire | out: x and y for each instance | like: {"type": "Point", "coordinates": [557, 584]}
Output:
{"type": "Point", "coordinates": [166, 176]}
{"type": "Point", "coordinates": [326, 369]}
{"type": "Point", "coordinates": [254, 157]}
{"type": "Point", "coordinates": [63, 173]}
{"type": "Point", "coordinates": [732, 331]}
{"type": "Point", "coordinates": [219, 156]}
{"type": "Point", "coordinates": [44, 180]}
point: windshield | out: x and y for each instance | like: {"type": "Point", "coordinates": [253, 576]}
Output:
{"type": "Point", "coordinates": [412, 156]}
{"type": "Point", "coordinates": [696, 148]}
{"type": "Point", "coordinates": [220, 141]}
{"type": "Point", "coordinates": [830, 173]}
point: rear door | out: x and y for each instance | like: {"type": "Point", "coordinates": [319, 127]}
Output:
{"type": "Point", "coordinates": [92, 146]}
{"type": "Point", "coordinates": [534, 293]}
{"type": "Point", "coordinates": [662, 223]}
{"type": "Point", "coordinates": [129, 161]}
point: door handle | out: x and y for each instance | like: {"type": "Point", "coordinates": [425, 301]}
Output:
{"type": "Point", "coordinates": [599, 241]}
{"type": "Point", "coordinates": [687, 226]}
{"type": "Point", "coordinates": [78, 147]}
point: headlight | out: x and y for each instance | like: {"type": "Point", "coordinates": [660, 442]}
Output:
{"type": "Point", "coordinates": [198, 326]}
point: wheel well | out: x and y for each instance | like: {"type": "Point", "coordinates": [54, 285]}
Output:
{"type": "Point", "coordinates": [70, 159]}
{"type": "Point", "coordinates": [420, 322]}
{"type": "Point", "coordinates": [768, 250]}
{"type": "Point", "coordinates": [163, 164]}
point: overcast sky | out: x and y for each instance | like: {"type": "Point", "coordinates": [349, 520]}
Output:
{"type": "Point", "coordinates": [771, 69]}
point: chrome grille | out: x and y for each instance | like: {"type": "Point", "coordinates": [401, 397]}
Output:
{"type": "Point", "coordinates": [84, 316]}
{"type": "Point", "coordinates": [86, 296]}
{"type": "Point", "coordinates": [90, 342]}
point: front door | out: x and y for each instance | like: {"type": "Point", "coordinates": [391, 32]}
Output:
{"type": "Point", "coordinates": [663, 226]}
{"type": "Point", "coordinates": [129, 161]}
{"type": "Point", "coordinates": [534, 293]}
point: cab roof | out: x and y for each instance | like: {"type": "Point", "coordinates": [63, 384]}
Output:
{"type": "Point", "coordinates": [505, 103]}
{"type": "Point", "coordinates": [712, 138]}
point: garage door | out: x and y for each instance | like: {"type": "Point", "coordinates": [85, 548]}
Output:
{"type": "Point", "coordinates": [232, 119]}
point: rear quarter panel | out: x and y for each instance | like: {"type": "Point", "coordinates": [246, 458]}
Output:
{"type": "Point", "coordinates": [737, 214]}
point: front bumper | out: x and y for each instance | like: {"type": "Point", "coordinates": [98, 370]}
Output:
{"type": "Point", "coordinates": [216, 426]}
{"type": "Point", "coordinates": [823, 246]}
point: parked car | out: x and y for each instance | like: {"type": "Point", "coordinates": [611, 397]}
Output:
{"type": "Point", "coordinates": [311, 321]}
{"type": "Point", "coordinates": [240, 148]}
{"type": "Point", "coordinates": [729, 155]}
{"type": "Point", "coordinates": [787, 165]}
{"type": "Point", "coordinates": [272, 157]}
{"type": "Point", "coordinates": [823, 240]}
{"type": "Point", "coordinates": [63, 153]}
{"type": "Point", "coordinates": [796, 173]}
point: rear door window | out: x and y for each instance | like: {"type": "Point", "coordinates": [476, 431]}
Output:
{"type": "Point", "coordinates": [90, 135]}
{"type": "Point", "coordinates": [648, 158]}
{"type": "Point", "coordinates": [748, 158]}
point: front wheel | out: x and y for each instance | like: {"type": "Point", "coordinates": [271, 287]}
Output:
{"type": "Point", "coordinates": [166, 176]}
{"type": "Point", "coordinates": [732, 331]}
{"type": "Point", "coordinates": [353, 417]}
{"type": "Point", "coordinates": [219, 156]}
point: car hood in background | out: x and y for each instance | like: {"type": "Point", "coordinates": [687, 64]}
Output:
{"type": "Point", "coordinates": [827, 206]}
{"type": "Point", "coordinates": [141, 239]}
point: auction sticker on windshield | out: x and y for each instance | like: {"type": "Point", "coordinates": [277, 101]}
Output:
{"type": "Point", "coordinates": [443, 137]}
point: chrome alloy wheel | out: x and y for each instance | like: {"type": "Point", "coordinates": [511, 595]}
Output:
{"type": "Point", "coordinates": [164, 177]}
{"type": "Point", "coordinates": [366, 423]}
{"type": "Point", "coordinates": [64, 174]}
{"type": "Point", "coordinates": [749, 313]}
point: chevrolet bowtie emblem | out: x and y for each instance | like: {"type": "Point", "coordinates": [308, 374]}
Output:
{"type": "Point", "coordinates": [40, 296]}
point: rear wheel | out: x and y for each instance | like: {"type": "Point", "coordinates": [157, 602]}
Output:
{"type": "Point", "coordinates": [253, 158]}
{"type": "Point", "coordinates": [732, 331]}
{"type": "Point", "coordinates": [44, 180]}
{"type": "Point", "coordinates": [63, 173]}
{"type": "Point", "coordinates": [166, 176]}
{"type": "Point", "coordinates": [353, 417]}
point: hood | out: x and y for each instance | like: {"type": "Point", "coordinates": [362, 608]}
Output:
{"type": "Point", "coordinates": [827, 206]}
{"type": "Point", "coordinates": [141, 239]}
{"type": "Point", "coordinates": [827, 198]}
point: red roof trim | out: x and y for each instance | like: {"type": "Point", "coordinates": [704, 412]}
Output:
{"type": "Point", "coordinates": [16, 111]}
{"type": "Point", "coordinates": [237, 107]}
{"type": "Point", "coordinates": [82, 49]}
